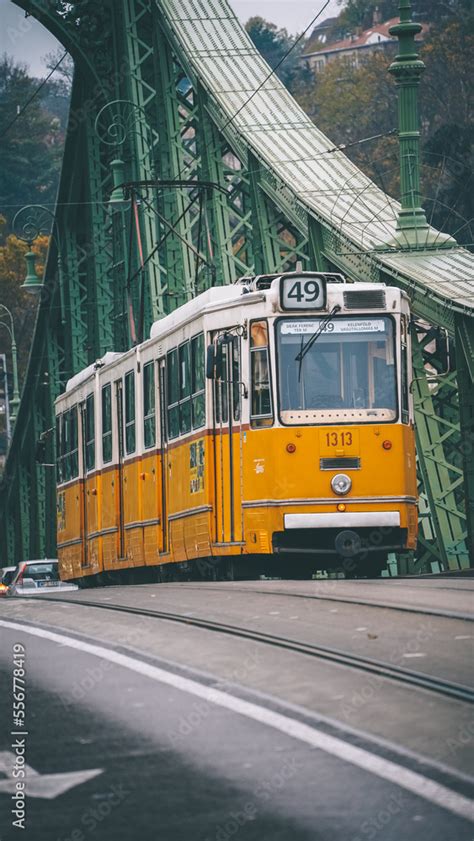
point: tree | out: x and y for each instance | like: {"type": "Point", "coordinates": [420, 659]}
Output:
{"type": "Point", "coordinates": [360, 14]}
{"type": "Point", "coordinates": [273, 43]}
{"type": "Point", "coordinates": [350, 105]}
{"type": "Point", "coordinates": [447, 107]}
{"type": "Point", "coordinates": [65, 71]}
{"type": "Point", "coordinates": [21, 304]}
{"type": "Point", "coordinates": [31, 143]}
{"type": "Point", "coordinates": [442, 12]}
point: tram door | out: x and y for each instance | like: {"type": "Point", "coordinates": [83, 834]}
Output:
{"type": "Point", "coordinates": [89, 493]}
{"type": "Point", "coordinates": [163, 455]}
{"type": "Point", "coordinates": [118, 387]}
{"type": "Point", "coordinates": [227, 442]}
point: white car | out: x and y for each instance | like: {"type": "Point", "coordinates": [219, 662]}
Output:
{"type": "Point", "coordinates": [34, 578]}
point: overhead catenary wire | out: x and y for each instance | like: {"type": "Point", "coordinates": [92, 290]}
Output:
{"type": "Point", "coordinates": [277, 66]}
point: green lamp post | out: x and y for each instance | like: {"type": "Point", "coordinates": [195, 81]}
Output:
{"type": "Point", "coordinates": [15, 401]}
{"type": "Point", "coordinates": [117, 200]}
{"type": "Point", "coordinates": [30, 222]}
{"type": "Point", "coordinates": [412, 229]}
{"type": "Point", "coordinates": [32, 283]}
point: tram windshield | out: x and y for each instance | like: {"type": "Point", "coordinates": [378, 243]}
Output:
{"type": "Point", "coordinates": [347, 374]}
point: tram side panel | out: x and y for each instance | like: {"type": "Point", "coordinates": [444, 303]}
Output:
{"type": "Point", "coordinates": [92, 552]}
{"type": "Point", "coordinates": [70, 494]}
{"type": "Point", "coordinates": [149, 490]}
{"type": "Point", "coordinates": [69, 529]}
{"type": "Point", "coordinates": [190, 495]}
{"type": "Point", "coordinates": [109, 515]}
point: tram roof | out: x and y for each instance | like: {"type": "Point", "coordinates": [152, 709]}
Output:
{"type": "Point", "coordinates": [215, 298]}
{"type": "Point", "coordinates": [245, 291]}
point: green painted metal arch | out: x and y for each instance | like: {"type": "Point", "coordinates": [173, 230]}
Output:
{"type": "Point", "coordinates": [47, 14]}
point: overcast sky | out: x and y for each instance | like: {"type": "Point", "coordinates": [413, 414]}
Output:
{"type": "Point", "coordinates": [28, 41]}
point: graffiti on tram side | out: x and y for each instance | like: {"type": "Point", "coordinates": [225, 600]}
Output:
{"type": "Point", "coordinates": [61, 511]}
{"type": "Point", "coordinates": [196, 466]}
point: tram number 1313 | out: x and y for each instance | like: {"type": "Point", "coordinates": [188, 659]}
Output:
{"type": "Point", "coordinates": [339, 439]}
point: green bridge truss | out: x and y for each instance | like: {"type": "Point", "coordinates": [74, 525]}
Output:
{"type": "Point", "coordinates": [161, 93]}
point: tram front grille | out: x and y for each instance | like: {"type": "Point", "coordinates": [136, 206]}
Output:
{"type": "Point", "coordinates": [364, 299]}
{"type": "Point", "coordinates": [339, 463]}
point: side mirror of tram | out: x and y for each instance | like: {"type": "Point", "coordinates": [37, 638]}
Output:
{"type": "Point", "coordinates": [210, 362]}
{"type": "Point", "coordinates": [40, 452]}
{"type": "Point", "coordinates": [215, 361]}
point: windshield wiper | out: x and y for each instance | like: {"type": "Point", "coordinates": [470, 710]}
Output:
{"type": "Point", "coordinates": [309, 344]}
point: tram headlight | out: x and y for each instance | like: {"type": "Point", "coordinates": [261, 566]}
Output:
{"type": "Point", "coordinates": [341, 484]}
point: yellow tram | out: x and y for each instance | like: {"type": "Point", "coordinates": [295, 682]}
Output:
{"type": "Point", "coordinates": [265, 426]}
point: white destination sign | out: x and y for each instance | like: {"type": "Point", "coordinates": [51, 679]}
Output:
{"type": "Point", "coordinates": [339, 325]}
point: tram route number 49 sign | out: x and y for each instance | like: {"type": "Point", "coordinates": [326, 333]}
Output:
{"type": "Point", "coordinates": [303, 293]}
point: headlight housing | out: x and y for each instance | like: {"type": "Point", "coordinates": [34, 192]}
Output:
{"type": "Point", "coordinates": [341, 484]}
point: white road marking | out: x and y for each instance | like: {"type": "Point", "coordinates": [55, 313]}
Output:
{"type": "Point", "coordinates": [398, 775]}
{"type": "Point", "coordinates": [274, 613]}
{"type": "Point", "coordinates": [463, 637]}
{"type": "Point", "coordinates": [414, 654]}
{"type": "Point", "coordinates": [46, 786]}
{"type": "Point", "coordinates": [361, 629]}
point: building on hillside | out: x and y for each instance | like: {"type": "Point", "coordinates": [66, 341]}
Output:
{"type": "Point", "coordinates": [356, 47]}
{"type": "Point", "coordinates": [321, 35]}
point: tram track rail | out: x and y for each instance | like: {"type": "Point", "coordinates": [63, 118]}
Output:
{"type": "Point", "coordinates": [369, 665]}
{"type": "Point", "coordinates": [447, 614]}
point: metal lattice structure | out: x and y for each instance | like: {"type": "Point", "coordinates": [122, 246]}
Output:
{"type": "Point", "coordinates": [174, 90]}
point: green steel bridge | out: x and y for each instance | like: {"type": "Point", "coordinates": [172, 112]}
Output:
{"type": "Point", "coordinates": [226, 176]}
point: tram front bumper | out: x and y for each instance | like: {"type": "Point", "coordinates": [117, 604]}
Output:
{"type": "Point", "coordinates": [343, 520]}
{"type": "Point", "coordinates": [341, 533]}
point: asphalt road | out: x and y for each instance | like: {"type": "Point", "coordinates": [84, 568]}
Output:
{"type": "Point", "coordinates": [170, 766]}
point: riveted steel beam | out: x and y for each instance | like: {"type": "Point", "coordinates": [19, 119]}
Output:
{"type": "Point", "coordinates": [465, 378]}
{"type": "Point", "coordinates": [443, 520]}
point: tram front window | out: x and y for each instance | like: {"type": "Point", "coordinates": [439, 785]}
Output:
{"type": "Point", "coordinates": [347, 374]}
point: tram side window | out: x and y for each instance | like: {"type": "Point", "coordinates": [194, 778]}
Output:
{"type": "Point", "coordinates": [236, 389]}
{"type": "Point", "coordinates": [107, 423]}
{"type": "Point", "coordinates": [73, 454]}
{"type": "Point", "coordinates": [261, 400]}
{"type": "Point", "coordinates": [173, 393]}
{"type": "Point", "coordinates": [59, 461]}
{"type": "Point", "coordinates": [221, 388]}
{"type": "Point", "coordinates": [90, 433]}
{"type": "Point", "coordinates": [68, 454]}
{"type": "Point", "coordinates": [227, 388]}
{"type": "Point", "coordinates": [130, 412]}
{"type": "Point", "coordinates": [184, 389]}
{"type": "Point", "coordinates": [197, 381]}
{"type": "Point", "coordinates": [404, 375]}
{"type": "Point", "coordinates": [149, 404]}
